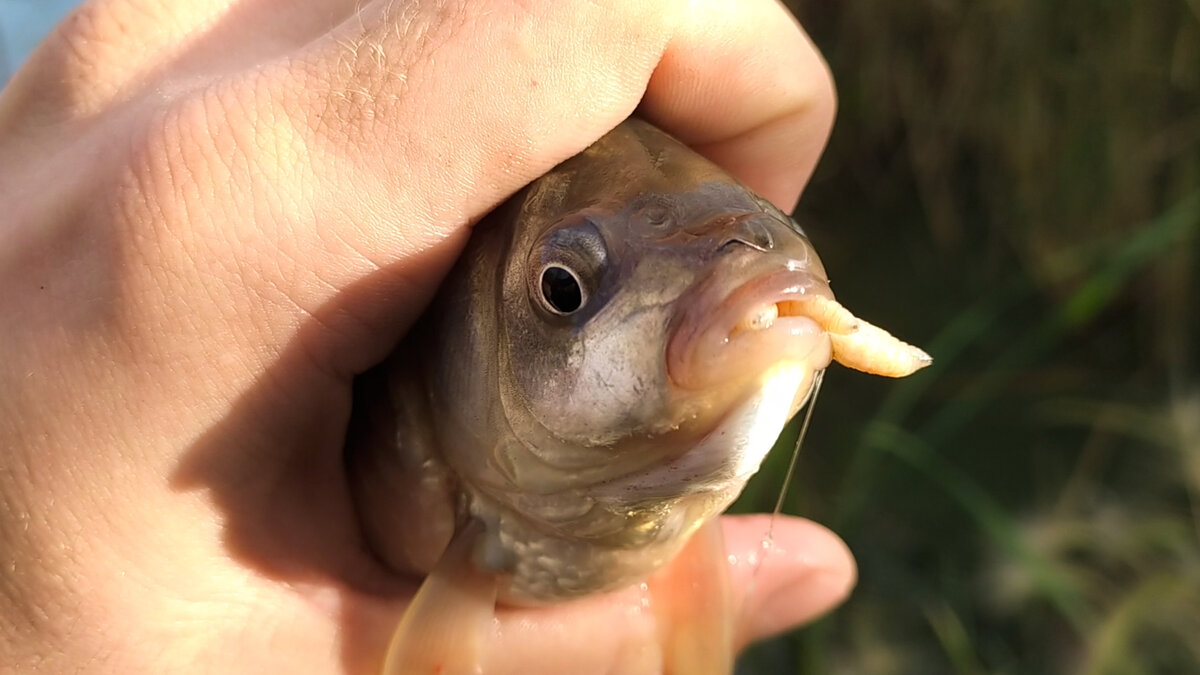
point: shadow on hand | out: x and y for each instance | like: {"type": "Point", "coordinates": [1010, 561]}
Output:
{"type": "Point", "coordinates": [275, 465]}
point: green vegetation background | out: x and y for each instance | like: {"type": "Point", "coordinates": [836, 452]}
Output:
{"type": "Point", "coordinates": [1014, 185]}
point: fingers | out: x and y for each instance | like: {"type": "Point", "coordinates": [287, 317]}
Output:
{"type": "Point", "coordinates": [743, 84]}
{"type": "Point", "coordinates": [449, 107]}
{"type": "Point", "coordinates": [738, 79]}
{"type": "Point", "coordinates": [435, 112]}
{"type": "Point", "coordinates": [806, 572]}
{"type": "Point", "coordinates": [803, 572]}
{"type": "Point", "coordinates": [106, 48]}
{"type": "Point", "coordinates": [108, 51]}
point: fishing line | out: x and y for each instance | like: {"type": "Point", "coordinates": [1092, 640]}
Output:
{"type": "Point", "coordinates": [768, 541]}
{"type": "Point", "coordinates": [791, 470]}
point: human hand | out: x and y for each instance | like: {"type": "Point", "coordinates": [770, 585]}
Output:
{"type": "Point", "coordinates": [216, 213]}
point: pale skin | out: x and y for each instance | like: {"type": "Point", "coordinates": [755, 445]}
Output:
{"type": "Point", "coordinates": [216, 212]}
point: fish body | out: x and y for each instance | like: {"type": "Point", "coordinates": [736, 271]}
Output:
{"type": "Point", "coordinates": [613, 355]}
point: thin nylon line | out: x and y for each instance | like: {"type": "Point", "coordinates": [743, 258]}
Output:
{"type": "Point", "coordinates": [791, 470]}
{"type": "Point", "coordinates": [768, 541]}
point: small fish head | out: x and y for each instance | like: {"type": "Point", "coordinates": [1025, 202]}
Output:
{"type": "Point", "coordinates": [609, 319]}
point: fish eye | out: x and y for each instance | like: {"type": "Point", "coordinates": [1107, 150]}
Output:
{"type": "Point", "coordinates": [562, 291]}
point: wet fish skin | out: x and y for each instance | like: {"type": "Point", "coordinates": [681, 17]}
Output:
{"type": "Point", "coordinates": [590, 442]}
{"type": "Point", "coordinates": [550, 429]}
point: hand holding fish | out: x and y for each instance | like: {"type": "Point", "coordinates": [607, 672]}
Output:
{"type": "Point", "coordinates": [218, 213]}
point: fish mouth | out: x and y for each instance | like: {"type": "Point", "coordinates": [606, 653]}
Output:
{"type": "Point", "coordinates": [723, 339]}
{"type": "Point", "coordinates": [743, 355]}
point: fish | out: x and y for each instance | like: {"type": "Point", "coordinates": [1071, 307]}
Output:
{"type": "Point", "coordinates": [609, 361]}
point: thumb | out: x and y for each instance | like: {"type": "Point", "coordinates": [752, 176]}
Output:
{"type": "Point", "coordinates": [785, 571]}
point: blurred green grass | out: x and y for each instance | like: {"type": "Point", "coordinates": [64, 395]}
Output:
{"type": "Point", "coordinates": [1014, 185]}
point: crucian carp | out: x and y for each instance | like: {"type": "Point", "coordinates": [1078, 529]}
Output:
{"type": "Point", "coordinates": [617, 349]}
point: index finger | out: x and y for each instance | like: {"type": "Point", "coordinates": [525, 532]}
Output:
{"type": "Point", "coordinates": [742, 84]}
{"type": "Point", "coordinates": [440, 110]}
{"type": "Point", "coordinates": [505, 93]}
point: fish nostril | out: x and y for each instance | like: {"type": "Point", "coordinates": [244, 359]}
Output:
{"type": "Point", "coordinates": [761, 235]}
{"type": "Point", "coordinates": [749, 232]}
{"type": "Point", "coordinates": [738, 241]}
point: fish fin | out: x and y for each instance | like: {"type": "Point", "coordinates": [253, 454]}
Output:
{"type": "Point", "coordinates": [448, 623]}
{"type": "Point", "coordinates": [692, 602]}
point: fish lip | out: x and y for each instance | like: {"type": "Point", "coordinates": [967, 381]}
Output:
{"type": "Point", "coordinates": [706, 348]}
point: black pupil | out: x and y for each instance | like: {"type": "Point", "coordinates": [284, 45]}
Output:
{"type": "Point", "coordinates": [561, 290]}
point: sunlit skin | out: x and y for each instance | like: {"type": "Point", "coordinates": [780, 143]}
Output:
{"type": "Point", "coordinates": [217, 212]}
